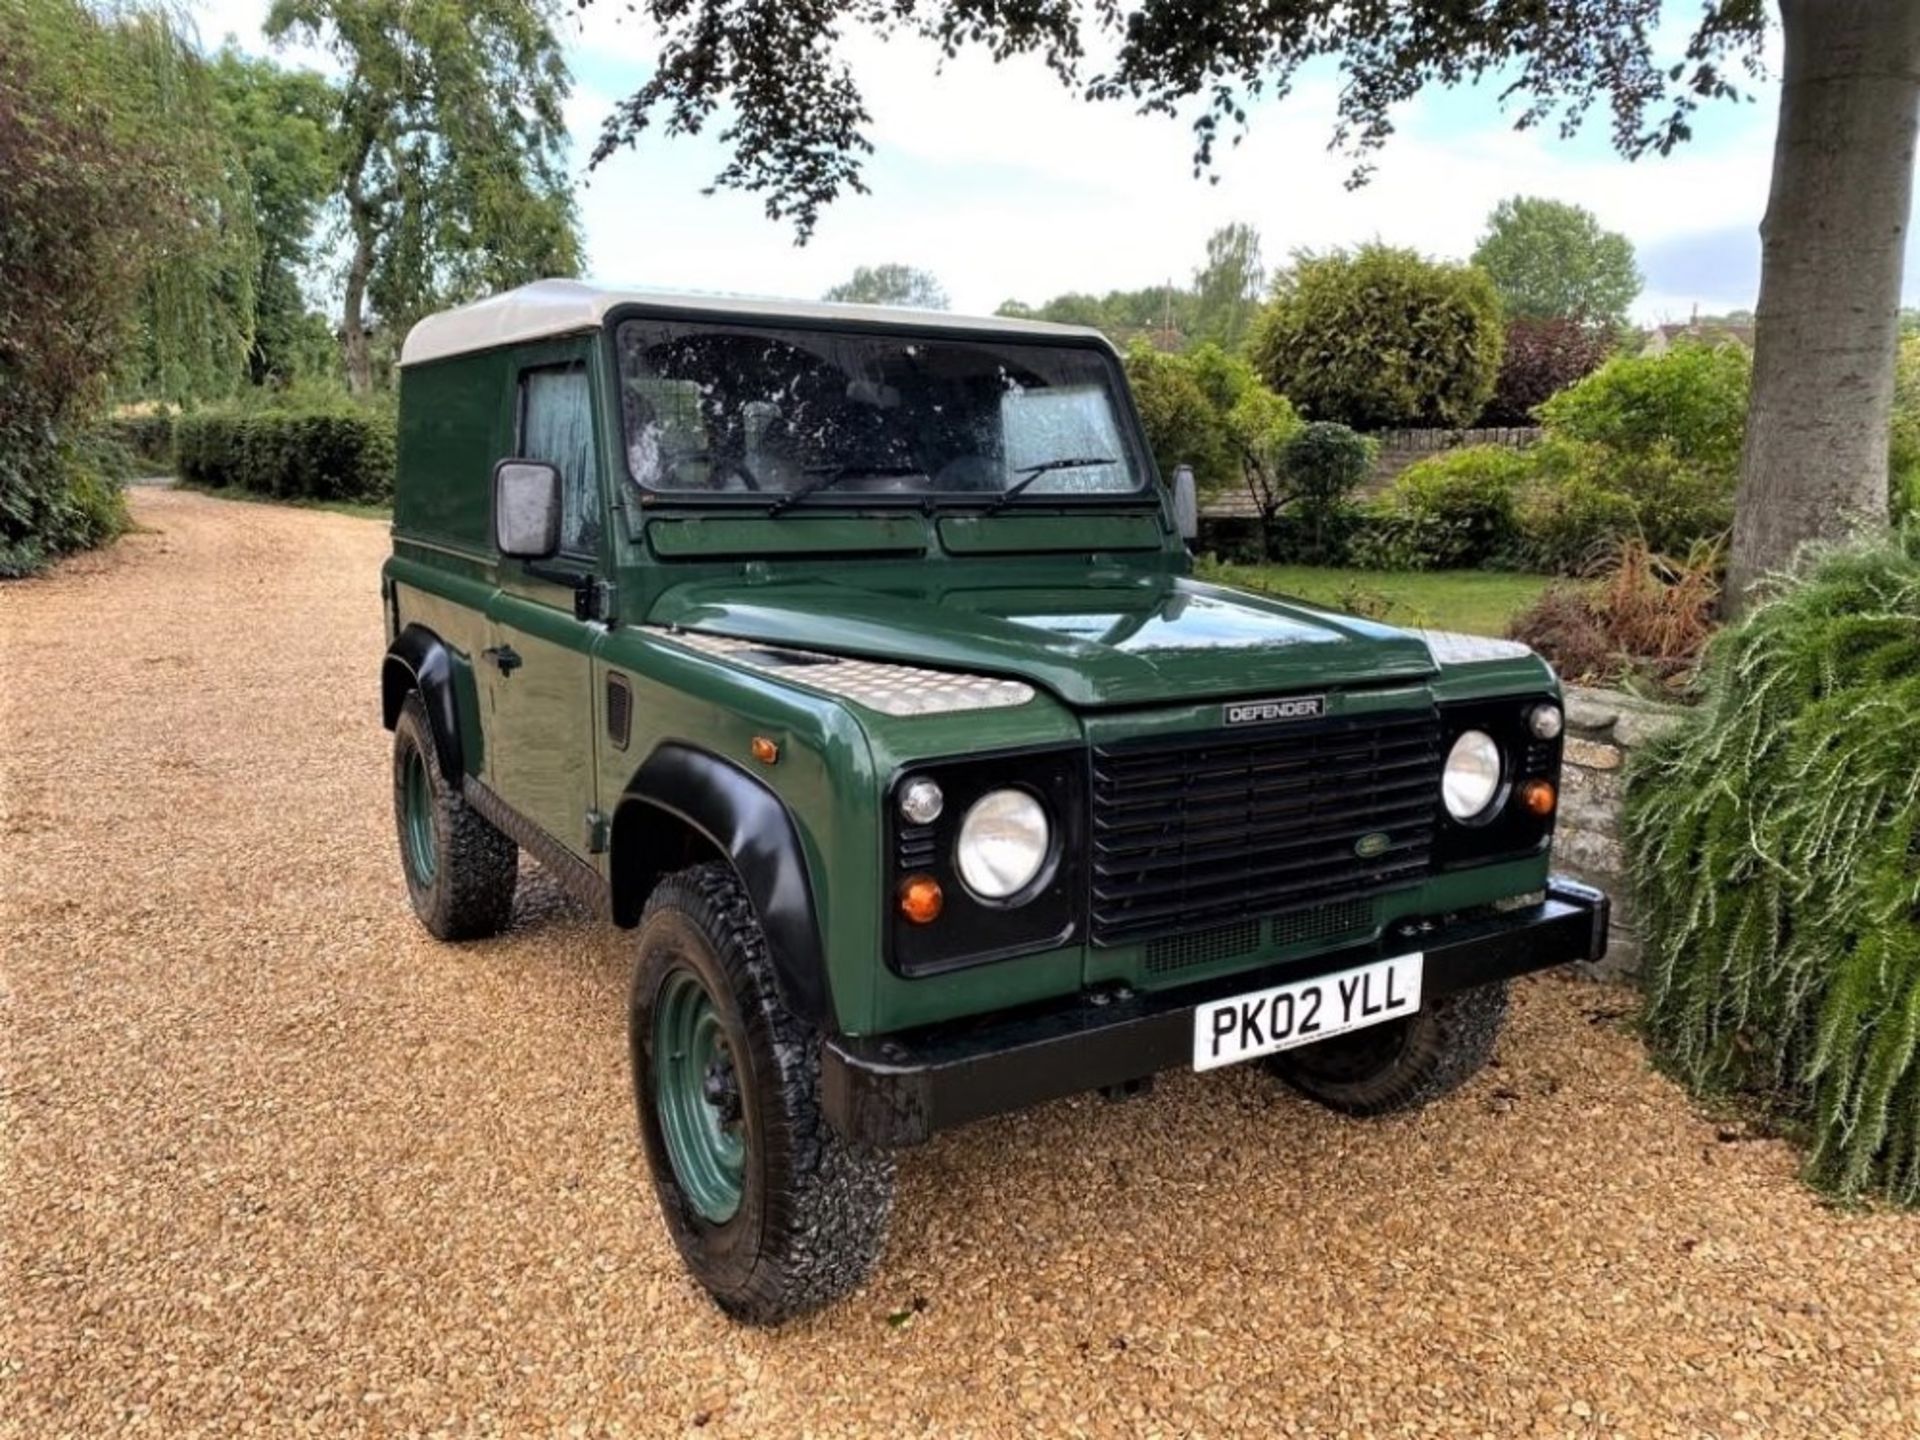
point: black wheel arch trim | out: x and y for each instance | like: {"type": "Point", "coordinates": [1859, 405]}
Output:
{"type": "Point", "coordinates": [751, 827]}
{"type": "Point", "coordinates": [419, 660]}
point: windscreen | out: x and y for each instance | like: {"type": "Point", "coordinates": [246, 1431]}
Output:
{"type": "Point", "coordinates": [739, 409]}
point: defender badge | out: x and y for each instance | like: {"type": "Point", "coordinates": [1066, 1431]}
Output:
{"type": "Point", "coordinates": [1265, 712]}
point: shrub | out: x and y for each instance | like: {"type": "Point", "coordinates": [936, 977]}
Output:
{"type": "Point", "coordinates": [1646, 617]}
{"type": "Point", "coordinates": [1379, 337]}
{"type": "Point", "coordinates": [55, 496]}
{"type": "Point", "coordinates": [1183, 424]}
{"type": "Point", "coordinates": [1320, 467]}
{"type": "Point", "coordinates": [1542, 358]}
{"type": "Point", "coordinates": [336, 454]}
{"type": "Point", "coordinates": [1455, 509]}
{"type": "Point", "coordinates": [1771, 839]}
{"type": "Point", "coordinates": [1903, 448]}
{"type": "Point", "coordinates": [1646, 446]}
{"type": "Point", "coordinates": [148, 437]}
{"type": "Point", "coordinates": [1569, 522]}
{"type": "Point", "coordinates": [1690, 404]}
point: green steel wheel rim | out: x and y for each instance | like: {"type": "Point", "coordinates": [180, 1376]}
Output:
{"type": "Point", "coordinates": [696, 1095]}
{"type": "Point", "coordinates": [416, 794]}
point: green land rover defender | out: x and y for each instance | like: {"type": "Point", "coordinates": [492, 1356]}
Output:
{"type": "Point", "coordinates": [853, 657]}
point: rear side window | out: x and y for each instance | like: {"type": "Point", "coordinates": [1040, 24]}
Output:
{"type": "Point", "coordinates": [556, 425]}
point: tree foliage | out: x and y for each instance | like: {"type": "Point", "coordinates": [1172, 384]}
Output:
{"type": "Point", "coordinates": [1771, 841]}
{"type": "Point", "coordinates": [1182, 423]}
{"type": "Point", "coordinates": [795, 121]}
{"type": "Point", "coordinates": [280, 123]}
{"type": "Point", "coordinates": [1380, 337]}
{"type": "Point", "coordinates": [890, 284]}
{"type": "Point", "coordinates": [451, 152]}
{"type": "Point", "coordinates": [1539, 360]}
{"type": "Point", "coordinates": [1552, 261]}
{"type": "Point", "coordinates": [125, 252]}
{"type": "Point", "coordinates": [1162, 315]}
{"type": "Point", "coordinates": [1226, 288]}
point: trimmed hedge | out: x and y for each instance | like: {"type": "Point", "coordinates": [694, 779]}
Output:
{"type": "Point", "coordinates": [336, 454]}
{"type": "Point", "coordinates": [148, 438]}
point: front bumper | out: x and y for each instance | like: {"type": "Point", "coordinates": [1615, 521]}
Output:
{"type": "Point", "coordinates": [895, 1090]}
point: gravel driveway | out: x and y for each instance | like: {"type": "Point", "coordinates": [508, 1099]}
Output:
{"type": "Point", "coordinates": [273, 1161]}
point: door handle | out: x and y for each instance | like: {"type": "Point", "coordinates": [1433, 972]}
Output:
{"type": "Point", "coordinates": [505, 656]}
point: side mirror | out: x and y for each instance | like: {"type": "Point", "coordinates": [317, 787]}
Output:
{"type": "Point", "coordinates": [526, 509]}
{"type": "Point", "coordinates": [1186, 504]}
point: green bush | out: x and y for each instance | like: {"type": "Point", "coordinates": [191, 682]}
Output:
{"type": "Point", "coordinates": [55, 496]}
{"type": "Point", "coordinates": [1379, 337]}
{"type": "Point", "coordinates": [1320, 466]}
{"type": "Point", "coordinates": [1903, 449]}
{"type": "Point", "coordinates": [147, 438]}
{"type": "Point", "coordinates": [1689, 404]}
{"type": "Point", "coordinates": [330, 454]}
{"type": "Point", "coordinates": [1569, 521]}
{"type": "Point", "coordinates": [1455, 509]}
{"type": "Point", "coordinates": [1207, 409]}
{"type": "Point", "coordinates": [1772, 842]}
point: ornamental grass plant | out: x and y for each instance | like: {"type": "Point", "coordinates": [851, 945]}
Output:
{"type": "Point", "coordinates": [1774, 843]}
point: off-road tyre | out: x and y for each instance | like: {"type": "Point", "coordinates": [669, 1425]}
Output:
{"type": "Point", "coordinates": [462, 885]}
{"type": "Point", "coordinates": [812, 1208]}
{"type": "Point", "coordinates": [1403, 1064]}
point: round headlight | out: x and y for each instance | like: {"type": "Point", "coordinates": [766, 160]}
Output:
{"type": "Point", "coordinates": [1545, 721]}
{"type": "Point", "coordinates": [1472, 776]}
{"type": "Point", "coordinates": [1003, 843]}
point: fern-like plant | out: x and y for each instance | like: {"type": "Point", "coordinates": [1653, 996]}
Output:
{"type": "Point", "coordinates": [1774, 839]}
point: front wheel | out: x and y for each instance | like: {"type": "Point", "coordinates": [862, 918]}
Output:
{"type": "Point", "coordinates": [1403, 1064]}
{"type": "Point", "coordinates": [773, 1212]}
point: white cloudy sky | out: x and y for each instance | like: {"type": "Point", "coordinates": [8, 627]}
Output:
{"type": "Point", "coordinates": [1006, 186]}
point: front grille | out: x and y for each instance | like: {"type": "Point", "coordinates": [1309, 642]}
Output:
{"type": "Point", "coordinates": [1322, 922]}
{"type": "Point", "coordinates": [1202, 830]}
{"type": "Point", "coordinates": [1339, 920]}
{"type": "Point", "coordinates": [1202, 947]}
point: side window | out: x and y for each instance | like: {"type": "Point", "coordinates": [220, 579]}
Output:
{"type": "Point", "coordinates": [556, 425]}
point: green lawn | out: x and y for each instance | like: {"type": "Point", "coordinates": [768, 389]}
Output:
{"type": "Point", "coordinates": [1477, 602]}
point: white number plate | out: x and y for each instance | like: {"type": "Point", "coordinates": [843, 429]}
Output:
{"type": "Point", "coordinates": [1226, 1032]}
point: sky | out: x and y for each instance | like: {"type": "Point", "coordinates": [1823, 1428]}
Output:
{"type": "Point", "coordinates": [1006, 186]}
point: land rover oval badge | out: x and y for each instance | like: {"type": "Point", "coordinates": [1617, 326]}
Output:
{"type": "Point", "coordinates": [1265, 712]}
{"type": "Point", "coordinates": [1372, 844]}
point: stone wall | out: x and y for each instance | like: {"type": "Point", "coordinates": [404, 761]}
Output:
{"type": "Point", "coordinates": [1603, 728]}
{"type": "Point", "coordinates": [1400, 448]}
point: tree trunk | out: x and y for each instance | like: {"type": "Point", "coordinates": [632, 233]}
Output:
{"type": "Point", "coordinates": [353, 320]}
{"type": "Point", "coordinates": [1832, 244]}
{"type": "Point", "coordinates": [353, 325]}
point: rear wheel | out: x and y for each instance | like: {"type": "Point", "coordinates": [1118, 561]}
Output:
{"type": "Point", "coordinates": [773, 1212]}
{"type": "Point", "coordinates": [1403, 1064]}
{"type": "Point", "coordinates": [460, 871]}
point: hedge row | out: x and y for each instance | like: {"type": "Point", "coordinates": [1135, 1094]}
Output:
{"type": "Point", "coordinates": [290, 455]}
{"type": "Point", "coordinates": [148, 438]}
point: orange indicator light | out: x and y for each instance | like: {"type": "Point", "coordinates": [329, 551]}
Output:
{"type": "Point", "coordinates": [920, 899]}
{"type": "Point", "coordinates": [1538, 797]}
{"type": "Point", "coordinates": [764, 750]}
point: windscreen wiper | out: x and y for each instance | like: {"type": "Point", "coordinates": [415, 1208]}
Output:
{"type": "Point", "coordinates": [827, 476]}
{"type": "Point", "coordinates": [1030, 473]}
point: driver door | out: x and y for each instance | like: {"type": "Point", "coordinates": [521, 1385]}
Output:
{"type": "Point", "coordinates": [538, 660]}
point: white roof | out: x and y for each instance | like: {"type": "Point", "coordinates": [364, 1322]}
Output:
{"type": "Point", "coordinates": [568, 307]}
